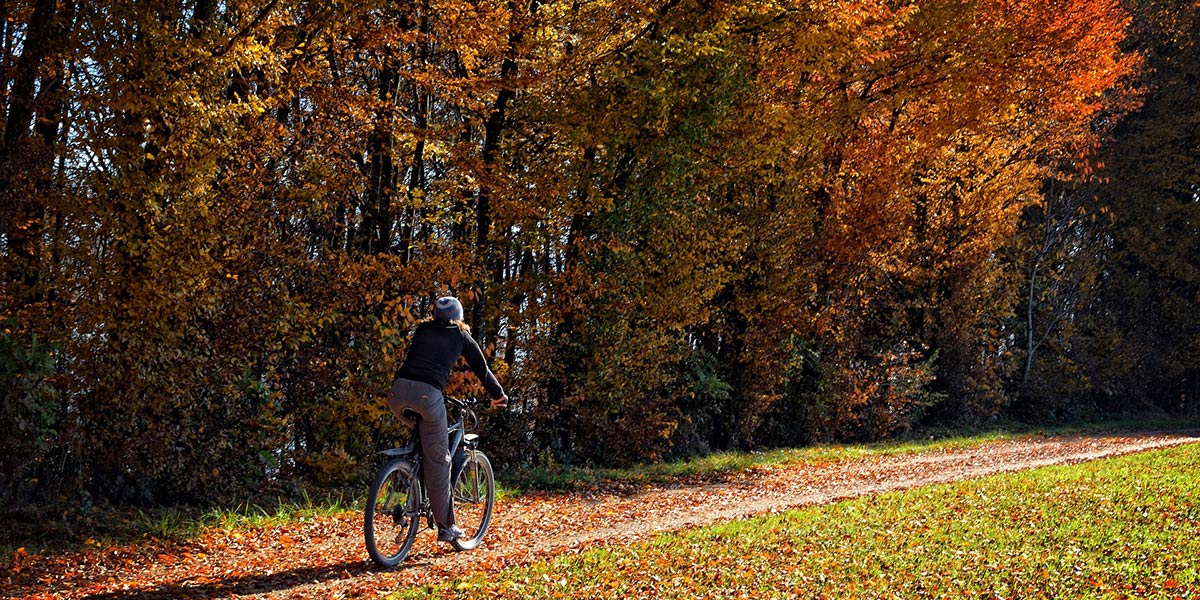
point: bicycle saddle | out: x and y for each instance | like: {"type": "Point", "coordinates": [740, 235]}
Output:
{"type": "Point", "coordinates": [410, 417]}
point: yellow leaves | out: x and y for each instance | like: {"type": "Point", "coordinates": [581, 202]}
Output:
{"type": "Point", "coordinates": [654, 177]}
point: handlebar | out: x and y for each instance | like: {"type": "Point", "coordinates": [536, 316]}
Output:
{"type": "Point", "coordinates": [460, 403]}
{"type": "Point", "coordinates": [466, 408]}
{"type": "Point", "coordinates": [466, 411]}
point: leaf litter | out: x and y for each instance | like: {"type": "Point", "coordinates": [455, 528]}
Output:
{"type": "Point", "coordinates": [324, 557]}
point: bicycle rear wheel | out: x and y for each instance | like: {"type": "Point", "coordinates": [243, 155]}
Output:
{"type": "Point", "coordinates": [474, 497]}
{"type": "Point", "coordinates": [392, 517]}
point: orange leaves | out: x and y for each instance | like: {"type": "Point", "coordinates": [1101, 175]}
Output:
{"type": "Point", "coordinates": [253, 210]}
{"type": "Point", "coordinates": [924, 132]}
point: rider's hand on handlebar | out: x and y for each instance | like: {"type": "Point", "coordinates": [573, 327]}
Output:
{"type": "Point", "coordinates": [500, 402]}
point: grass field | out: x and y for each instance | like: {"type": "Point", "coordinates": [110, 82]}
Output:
{"type": "Point", "coordinates": [1117, 528]}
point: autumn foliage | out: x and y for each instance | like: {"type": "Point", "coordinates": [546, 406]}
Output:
{"type": "Point", "coordinates": [677, 225]}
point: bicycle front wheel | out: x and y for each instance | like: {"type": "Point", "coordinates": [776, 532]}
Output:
{"type": "Point", "coordinates": [474, 499]}
{"type": "Point", "coordinates": [393, 512]}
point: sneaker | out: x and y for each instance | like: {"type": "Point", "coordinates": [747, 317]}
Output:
{"type": "Point", "coordinates": [449, 534]}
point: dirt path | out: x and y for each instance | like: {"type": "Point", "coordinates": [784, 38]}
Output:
{"type": "Point", "coordinates": [325, 558]}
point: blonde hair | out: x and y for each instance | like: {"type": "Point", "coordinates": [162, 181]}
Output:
{"type": "Point", "coordinates": [460, 323]}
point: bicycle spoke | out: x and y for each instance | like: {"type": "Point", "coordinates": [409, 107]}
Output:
{"type": "Point", "coordinates": [474, 495]}
{"type": "Point", "coordinates": [389, 526]}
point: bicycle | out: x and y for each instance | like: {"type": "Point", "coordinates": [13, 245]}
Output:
{"type": "Point", "coordinates": [397, 503]}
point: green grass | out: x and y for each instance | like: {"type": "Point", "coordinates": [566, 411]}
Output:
{"type": "Point", "coordinates": [1124, 527]}
{"type": "Point", "coordinates": [281, 513]}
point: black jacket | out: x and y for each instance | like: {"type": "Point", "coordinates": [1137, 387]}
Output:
{"type": "Point", "coordinates": [435, 347]}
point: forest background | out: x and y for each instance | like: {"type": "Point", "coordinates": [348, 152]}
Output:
{"type": "Point", "coordinates": [678, 226]}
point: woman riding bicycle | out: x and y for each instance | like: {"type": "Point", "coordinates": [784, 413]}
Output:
{"type": "Point", "coordinates": [436, 345]}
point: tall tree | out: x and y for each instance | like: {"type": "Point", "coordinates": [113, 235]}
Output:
{"type": "Point", "coordinates": [672, 221]}
{"type": "Point", "coordinates": [1151, 283]}
{"type": "Point", "coordinates": [35, 107]}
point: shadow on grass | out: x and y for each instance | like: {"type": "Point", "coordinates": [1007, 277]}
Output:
{"type": "Point", "coordinates": [242, 585]}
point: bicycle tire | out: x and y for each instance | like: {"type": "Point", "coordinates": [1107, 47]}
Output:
{"type": "Point", "coordinates": [474, 496]}
{"type": "Point", "coordinates": [391, 519]}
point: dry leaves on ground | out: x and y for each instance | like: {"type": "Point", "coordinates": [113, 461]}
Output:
{"type": "Point", "coordinates": [325, 558]}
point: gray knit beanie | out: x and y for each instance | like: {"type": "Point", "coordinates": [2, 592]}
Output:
{"type": "Point", "coordinates": [448, 308]}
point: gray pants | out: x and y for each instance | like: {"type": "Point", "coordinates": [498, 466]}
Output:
{"type": "Point", "coordinates": [427, 401]}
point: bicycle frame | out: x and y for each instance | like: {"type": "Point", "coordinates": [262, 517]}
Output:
{"type": "Point", "coordinates": [455, 430]}
{"type": "Point", "coordinates": [459, 442]}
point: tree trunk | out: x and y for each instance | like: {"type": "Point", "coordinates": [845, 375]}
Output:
{"type": "Point", "coordinates": [493, 134]}
{"type": "Point", "coordinates": [27, 164]}
{"type": "Point", "coordinates": [375, 232]}
{"type": "Point", "coordinates": [1029, 345]}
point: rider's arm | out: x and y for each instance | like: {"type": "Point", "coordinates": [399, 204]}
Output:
{"type": "Point", "coordinates": [478, 364]}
